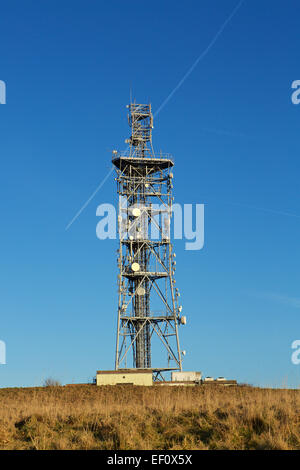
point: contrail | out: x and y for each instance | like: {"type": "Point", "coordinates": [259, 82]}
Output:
{"type": "Point", "coordinates": [90, 198]}
{"type": "Point", "coordinates": [201, 56]}
{"type": "Point", "coordinates": [271, 211]}
{"type": "Point", "coordinates": [188, 73]}
{"type": "Point", "coordinates": [284, 299]}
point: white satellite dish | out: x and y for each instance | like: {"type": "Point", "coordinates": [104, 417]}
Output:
{"type": "Point", "coordinates": [135, 267]}
{"type": "Point", "coordinates": [136, 212]}
{"type": "Point", "coordinates": [140, 291]}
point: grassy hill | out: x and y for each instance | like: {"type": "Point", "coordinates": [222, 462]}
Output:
{"type": "Point", "coordinates": [129, 417]}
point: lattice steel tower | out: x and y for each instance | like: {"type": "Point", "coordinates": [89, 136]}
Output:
{"type": "Point", "coordinates": [148, 310]}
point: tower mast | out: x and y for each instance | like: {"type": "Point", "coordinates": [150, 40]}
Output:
{"type": "Point", "coordinates": [148, 310]}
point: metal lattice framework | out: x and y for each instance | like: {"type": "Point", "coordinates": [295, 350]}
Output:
{"type": "Point", "coordinates": [148, 310]}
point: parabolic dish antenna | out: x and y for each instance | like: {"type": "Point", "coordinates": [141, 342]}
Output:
{"type": "Point", "coordinates": [135, 267]}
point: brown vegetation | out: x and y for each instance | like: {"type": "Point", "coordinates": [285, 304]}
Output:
{"type": "Point", "coordinates": [128, 417]}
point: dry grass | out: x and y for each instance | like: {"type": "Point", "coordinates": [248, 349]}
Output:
{"type": "Point", "coordinates": [128, 417]}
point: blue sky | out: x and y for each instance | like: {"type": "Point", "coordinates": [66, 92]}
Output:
{"type": "Point", "coordinates": [234, 134]}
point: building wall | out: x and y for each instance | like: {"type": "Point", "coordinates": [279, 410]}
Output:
{"type": "Point", "coordinates": [124, 377]}
{"type": "Point", "coordinates": [186, 376]}
{"type": "Point", "coordinates": [177, 384]}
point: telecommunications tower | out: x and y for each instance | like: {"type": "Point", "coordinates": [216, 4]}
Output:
{"type": "Point", "coordinates": [148, 309]}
